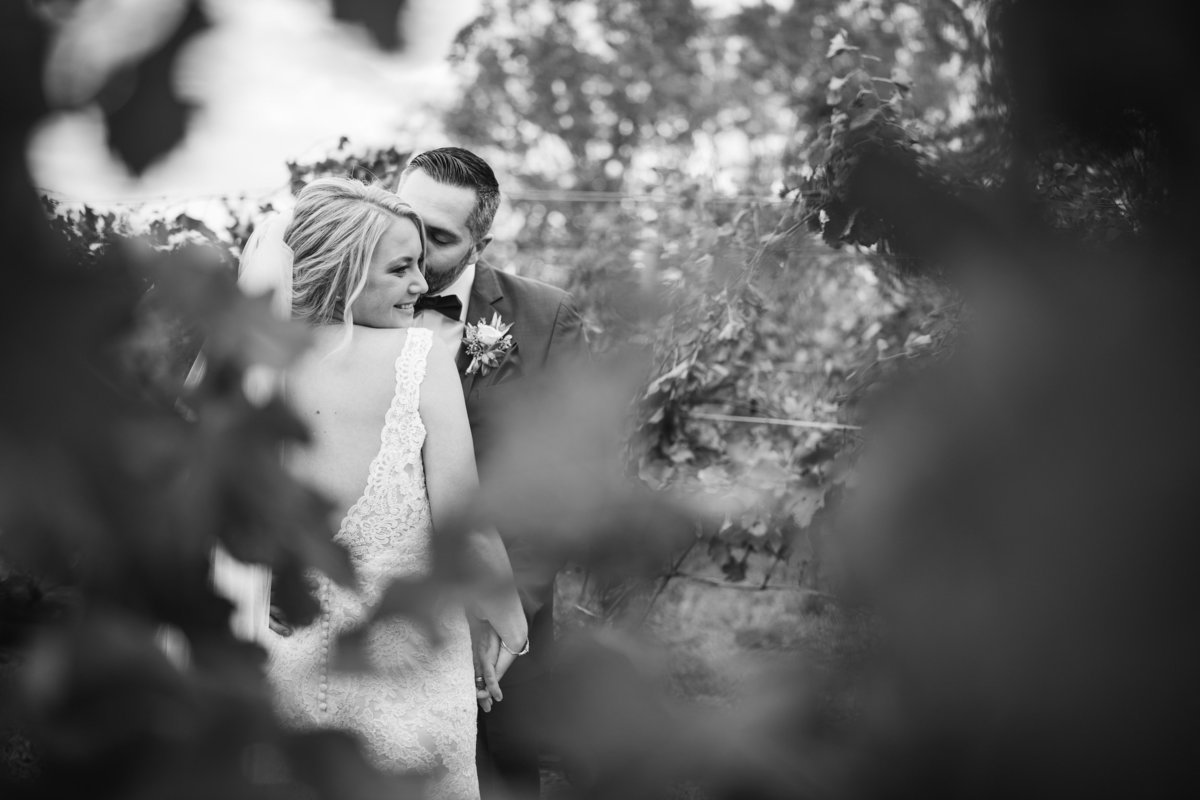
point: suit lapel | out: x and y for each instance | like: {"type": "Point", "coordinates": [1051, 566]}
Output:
{"type": "Point", "coordinates": [485, 295]}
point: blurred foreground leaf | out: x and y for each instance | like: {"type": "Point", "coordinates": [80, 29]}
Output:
{"type": "Point", "coordinates": [144, 114]}
{"type": "Point", "coordinates": [381, 18]}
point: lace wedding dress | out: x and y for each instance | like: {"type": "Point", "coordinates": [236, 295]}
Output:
{"type": "Point", "coordinates": [416, 710]}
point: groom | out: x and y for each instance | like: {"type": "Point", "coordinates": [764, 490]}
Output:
{"type": "Point", "coordinates": [456, 194]}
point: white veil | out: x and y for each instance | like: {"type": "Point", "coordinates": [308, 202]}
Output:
{"type": "Point", "coordinates": [266, 267]}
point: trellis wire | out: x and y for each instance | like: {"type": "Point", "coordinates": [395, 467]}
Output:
{"type": "Point", "coordinates": [792, 423]}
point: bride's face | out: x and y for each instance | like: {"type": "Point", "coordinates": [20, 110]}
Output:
{"type": "Point", "coordinates": [394, 279]}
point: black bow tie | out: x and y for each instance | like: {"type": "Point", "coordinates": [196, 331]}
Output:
{"type": "Point", "coordinates": [446, 304]}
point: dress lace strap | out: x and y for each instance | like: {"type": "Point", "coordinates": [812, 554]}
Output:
{"type": "Point", "coordinates": [401, 437]}
{"type": "Point", "coordinates": [410, 368]}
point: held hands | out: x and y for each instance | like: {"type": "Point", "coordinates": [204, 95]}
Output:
{"type": "Point", "coordinates": [492, 660]}
{"type": "Point", "coordinates": [485, 648]}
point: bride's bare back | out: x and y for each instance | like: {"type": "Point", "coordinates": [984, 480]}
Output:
{"type": "Point", "coordinates": [342, 390]}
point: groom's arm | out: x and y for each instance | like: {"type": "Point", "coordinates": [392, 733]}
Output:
{"type": "Point", "coordinates": [533, 567]}
{"type": "Point", "coordinates": [564, 346]}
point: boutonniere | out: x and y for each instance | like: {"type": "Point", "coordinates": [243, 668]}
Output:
{"type": "Point", "coordinates": [487, 343]}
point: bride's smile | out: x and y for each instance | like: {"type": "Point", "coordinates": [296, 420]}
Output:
{"type": "Point", "coordinates": [394, 279]}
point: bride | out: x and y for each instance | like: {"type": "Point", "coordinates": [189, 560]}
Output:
{"type": "Point", "coordinates": [391, 447]}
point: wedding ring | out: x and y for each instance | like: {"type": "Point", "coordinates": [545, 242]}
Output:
{"type": "Point", "coordinates": [523, 651]}
{"type": "Point", "coordinates": [479, 680]}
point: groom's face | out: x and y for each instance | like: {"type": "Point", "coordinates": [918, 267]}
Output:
{"type": "Point", "coordinates": [445, 209]}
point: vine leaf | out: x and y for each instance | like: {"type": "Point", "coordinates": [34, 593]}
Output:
{"type": "Point", "coordinates": [381, 17]}
{"type": "Point", "coordinates": [734, 569]}
{"type": "Point", "coordinates": [414, 599]}
{"type": "Point", "coordinates": [145, 117]}
{"type": "Point", "coordinates": [236, 328]}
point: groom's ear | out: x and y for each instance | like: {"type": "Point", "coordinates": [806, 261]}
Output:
{"type": "Point", "coordinates": [481, 245]}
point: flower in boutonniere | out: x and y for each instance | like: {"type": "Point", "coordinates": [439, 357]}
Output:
{"type": "Point", "coordinates": [486, 344]}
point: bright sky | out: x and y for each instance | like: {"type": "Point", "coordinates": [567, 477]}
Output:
{"type": "Point", "coordinates": [277, 80]}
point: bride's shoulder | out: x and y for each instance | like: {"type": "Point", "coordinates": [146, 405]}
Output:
{"type": "Point", "coordinates": [360, 338]}
{"type": "Point", "coordinates": [386, 339]}
{"type": "Point", "coordinates": [440, 370]}
{"type": "Point", "coordinates": [334, 351]}
{"type": "Point", "coordinates": [438, 351]}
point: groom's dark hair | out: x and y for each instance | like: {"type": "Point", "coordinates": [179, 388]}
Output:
{"type": "Point", "coordinates": [457, 166]}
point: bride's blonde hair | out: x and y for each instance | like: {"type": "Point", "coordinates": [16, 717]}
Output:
{"type": "Point", "coordinates": [336, 225]}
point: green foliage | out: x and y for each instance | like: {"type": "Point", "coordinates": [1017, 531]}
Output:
{"type": "Point", "coordinates": [620, 89]}
{"type": "Point", "coordinates": [866, 122]}
{"type": "Point", "coordinates": [381, 165]}
{"type": "Point", "coordinates": [881, 150]}
{"type": "Point", "coordinates": [602, 78]}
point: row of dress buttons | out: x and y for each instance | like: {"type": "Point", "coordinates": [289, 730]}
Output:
{"type": "Point", "coordinates": [322, 697]}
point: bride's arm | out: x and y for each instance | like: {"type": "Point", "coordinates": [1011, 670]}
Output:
{"type": "Point", "coordinates": [451, 480]}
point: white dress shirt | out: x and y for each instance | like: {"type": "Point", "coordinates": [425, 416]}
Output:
{"type": "Point", "coordinates": [449, 331]}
